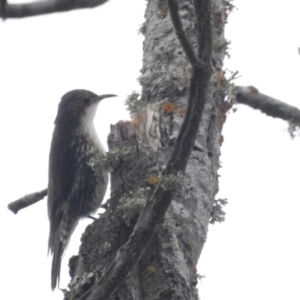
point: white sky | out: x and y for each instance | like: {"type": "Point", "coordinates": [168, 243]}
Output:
{"type": "Point", "coordinates": [255, 253]}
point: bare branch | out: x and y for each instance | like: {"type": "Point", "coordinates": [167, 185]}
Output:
{"type": "Point", "coordinates": [270, 106]}
{"type": "Point", "coordinates": [26, 201]}
{"type": "Point", "coordinates": [155, 208]}
{"type": "Point", "coordinates": [3, 5]}
{"type": "Point", "coordinates": [46, 7]}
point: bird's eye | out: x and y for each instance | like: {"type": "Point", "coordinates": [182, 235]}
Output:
{"type": "Point", "coordinates": [87, 101]}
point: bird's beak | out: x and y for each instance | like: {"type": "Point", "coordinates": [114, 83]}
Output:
{"type": "Point", "coordinates": [100, 97]}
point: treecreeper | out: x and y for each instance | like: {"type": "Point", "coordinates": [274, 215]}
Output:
{"type": "Point", "coordinates": [75, 189]}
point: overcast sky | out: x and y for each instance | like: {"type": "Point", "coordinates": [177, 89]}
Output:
{"type": "Point", "coordinates": [254, 254]}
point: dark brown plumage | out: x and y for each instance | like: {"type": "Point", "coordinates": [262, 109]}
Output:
{"type": "Point", "coordinates": [74, 189]}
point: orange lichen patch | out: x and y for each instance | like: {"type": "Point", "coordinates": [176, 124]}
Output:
{"type": "Point", "coordinates": [191, 248]}
{"type": "Point", "coordinates": [152, 181]}
{"type": "Point", "coordinates": [219, 77]}
{"type": "Point", "coordinates": [221, 139]}
{"type": "Point", "coordinates": [84, 112]}
{"type": "Point", "coordinates": [219, 19]}
{"type": "Point", "coordinates": [135, 120]}
{"type": "Point", "coordinates": [221, 115]}
{"type": "Point", "coordinates": [151, 269]}
{"type": "Point", "coordinates": [162, 14]}
{"type": "Point", "coordinates": [168, 108]}
{"type": "Point", "coordinates": [180, 112]}
{"type": "Point", "coordinates": [253, 89]}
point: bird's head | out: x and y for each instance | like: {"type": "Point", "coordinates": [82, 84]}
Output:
{"type": "Point", "coordinates": [78, 105]}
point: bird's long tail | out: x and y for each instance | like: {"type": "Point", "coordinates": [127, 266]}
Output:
{"type": "Point", "coordinates": [58, 242]}
{"type": "Point", "coordinates": [58, 251]}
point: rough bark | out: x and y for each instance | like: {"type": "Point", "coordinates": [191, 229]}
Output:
{"type": "Point", "coordinates": [138, 153]}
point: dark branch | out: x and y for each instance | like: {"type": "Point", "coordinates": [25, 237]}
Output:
{"type": "Point", "coordinates": [205, 30]}
{"type": "Point", "coordinates": [177, 24]}
{"type": "Point", "coordinates": [155, 209]}
{"type": "Point", "coordinates": [47, 7]}
{"type": "Point", "coordinates": [3, 9]}
{"type": "Point", "coordinates": [26, 201]}
{"type": "Point", "coordinates": [197, 94]}
{"type": "Point", "coordinates": [270, 106]}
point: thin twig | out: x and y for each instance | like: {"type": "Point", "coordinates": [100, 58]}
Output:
{"type": "Point", "coordinates": [46, 7]}
{"type": "Point", "coordinates": [3, 9]}
{"type": "Point", "coordinates": [26, 201]}
{"type": "Point", "coordinates": [268, 105]}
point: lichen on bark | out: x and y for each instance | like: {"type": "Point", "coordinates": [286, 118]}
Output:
{"type": "Point", "coordinates": [167, 269]}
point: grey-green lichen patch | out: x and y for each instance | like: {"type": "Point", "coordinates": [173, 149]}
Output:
{"type": "Point", "coordinates": [230, 90]}
{"type": "Point", "coordinates": [97, 160]}
{"type": "Point", "coordinates": [112, 157]}
{"type": "Point", "coordinates": [131, 204]}
{"type": "Point", "coordinates": [134, 103]}
{"type": "Point", "coordinates": [81, 285]}
{"type": "Point", "coordinates": [220, 43]}
{"type": "Point", "coordinates": [142, 29]}
{"type": "Point", "coordinates": [171, 182]}
{"type": "Point", "coordinates": [109, 161]}
{"type": "Point", "coordinates": [171, 224]}
{"type": "Point", "coordinates": [293, 129]}
{"type": "Point", "coordinates": [180, 210]}
{"type": "Point", "coordinates": [218, 213]}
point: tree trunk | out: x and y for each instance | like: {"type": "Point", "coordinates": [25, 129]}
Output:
{"type": "Point", "coordinates": [139, 150]}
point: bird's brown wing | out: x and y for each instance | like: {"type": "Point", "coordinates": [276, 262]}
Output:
{"type": "Point", "coordinates": [62, 164]}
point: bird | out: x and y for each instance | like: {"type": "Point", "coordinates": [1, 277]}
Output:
{"type": "Point", "coordinates": [75, 189]}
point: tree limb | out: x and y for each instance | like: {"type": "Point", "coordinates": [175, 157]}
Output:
{"type": "Point", "coordinates": [204, 28]}
{"type": "Point", "coordinates": [27, 200]}
{"type": "Point", "coordinates": [155, 208]}
{"type": "Point", "coordinates": [3, 5]}
{"type": "Point", "coordinates": [46, 7]}
{"type": "Point", "coordinates": [177, 24]}
{"type": "Point", "coordinates": [270, 106]}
